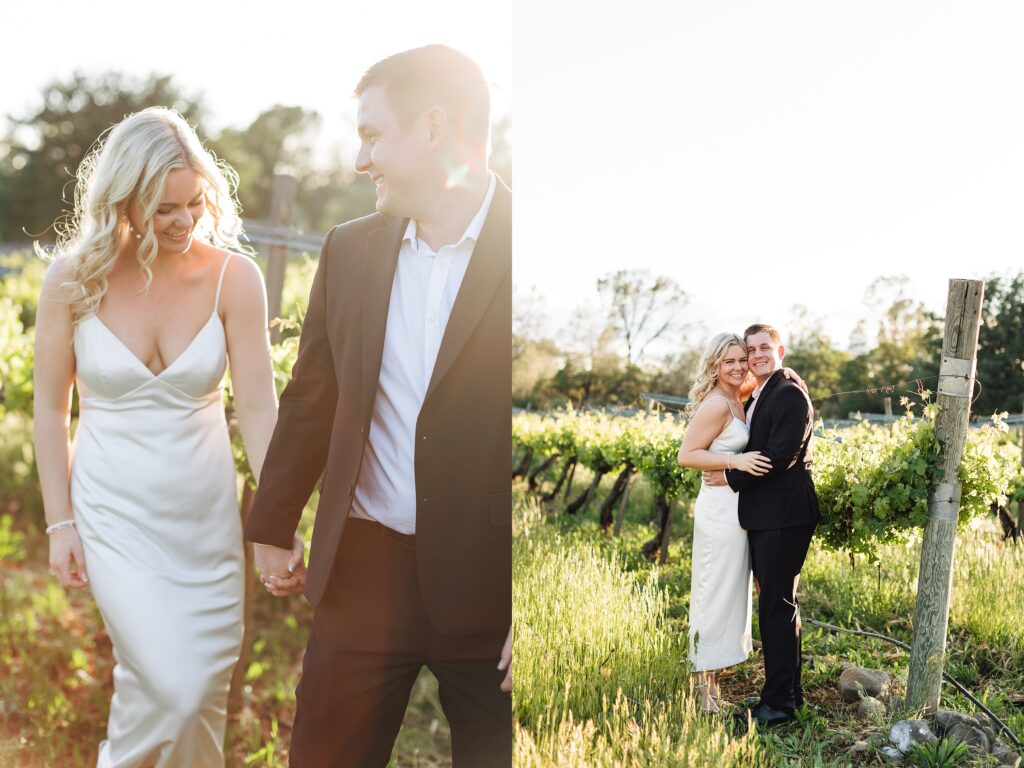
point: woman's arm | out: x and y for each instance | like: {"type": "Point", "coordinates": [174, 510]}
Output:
{"type": "Point", "coordinates": [53, 376]}
{"type": "Point", "coordinates": [707, 423]}
{"type": "Point", "coordinates": [252, 381]}
{"type": "Point", "coordinates": [244, 299]}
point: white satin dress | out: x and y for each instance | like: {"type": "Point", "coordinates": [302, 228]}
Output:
{"type": "Point", "coordinates": [720, 586]}
{"type": "Point", "coordinates": [153, 492]}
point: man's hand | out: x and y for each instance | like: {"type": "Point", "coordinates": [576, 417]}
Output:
{"type": "Point", "coordinates": [713, 477]}
{"type": "Point", "coordinates": [506, 663]}
{"type": "Point", "coordinates": [282, 571]}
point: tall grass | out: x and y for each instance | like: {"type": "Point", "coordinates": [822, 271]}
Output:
{"type": "Point", "coordinates": [600, 670]}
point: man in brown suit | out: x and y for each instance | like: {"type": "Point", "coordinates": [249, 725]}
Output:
{"type": "Point", "coordinates": [401, 399]}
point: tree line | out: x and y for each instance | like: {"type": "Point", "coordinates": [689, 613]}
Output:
{"type": "Point", "coordinates": [42, 149]}
{"type": "Point", "coordinates": [603, 357]}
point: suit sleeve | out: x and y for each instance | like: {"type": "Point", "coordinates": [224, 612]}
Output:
{"type": "Point", "coordinates": [791, 416]}
{"type": "Point", "coordinates": [298, 449]}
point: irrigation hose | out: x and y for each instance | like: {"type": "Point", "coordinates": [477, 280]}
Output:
{"type": "Point", "coordinates": [1003, 726]}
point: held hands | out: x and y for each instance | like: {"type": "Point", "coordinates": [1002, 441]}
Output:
{"type": "Point", "coordinates": [506, 663]}
{"type": "Point", "coordinates": [67, 558]}
{"type": "Point", "coordinates": [282, 571]}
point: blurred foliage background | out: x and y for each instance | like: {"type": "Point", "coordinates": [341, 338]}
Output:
{"type": "Point", "coordinates": [42, 149]}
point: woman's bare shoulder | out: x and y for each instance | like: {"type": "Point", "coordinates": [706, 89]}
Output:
{"type": "Point", "coordinates": [56, 283]}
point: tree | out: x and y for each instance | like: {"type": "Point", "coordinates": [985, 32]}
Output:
{"type": "Point", "coordinates": [908, 347]}
{"type": "Point", "coordinates": [643, 308]}
{"type": "Point", "coordinates": [1001, 347]}
{"type": "Point", "coordinates": [821, 365]}
{"type": "Point", "coordinates": [45, 148]}
{"type": "Point", "coordinates": [279, 140]}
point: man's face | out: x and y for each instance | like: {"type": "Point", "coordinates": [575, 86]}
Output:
{"type": "Point", "coordinates": [764, 355]}
{"type": "Point", "coordinates": [397, 158]}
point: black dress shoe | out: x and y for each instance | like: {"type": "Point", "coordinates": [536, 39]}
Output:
{"type": "Point", "coordinates": [767, 717]}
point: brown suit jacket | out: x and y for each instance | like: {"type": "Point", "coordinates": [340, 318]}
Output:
{"type": "Point", "coordinates": [463, 433]}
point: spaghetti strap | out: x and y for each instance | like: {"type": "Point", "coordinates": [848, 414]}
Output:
{"type": "Point", "coordinates": [220, 281]}
{"type": "Point", "coordinates": [720, 397]}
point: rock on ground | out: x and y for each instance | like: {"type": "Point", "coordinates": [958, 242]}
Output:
{"type": "Point", "coordinates": [972, 735]}
{"type": "Point", "coordinates": [870, 707]}
{"type": "Point", "coordinates": [876, 683]}
{"type": "Point", "coordinates": [905, 733]}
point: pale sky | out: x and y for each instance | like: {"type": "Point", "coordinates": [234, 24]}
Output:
{"type": "Point", "coordinates": [763, 154]}
{"type": "Point", "coordinates": [769, 154]}
{"type": "Point", "coordinates": [244, 57]}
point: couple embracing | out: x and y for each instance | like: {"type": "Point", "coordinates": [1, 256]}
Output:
{"type": "Point", "coordinates": [755, 515]}
{"type": "Point", "coordinates": [398, 405]}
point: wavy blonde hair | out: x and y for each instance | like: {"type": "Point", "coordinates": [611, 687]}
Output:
{"type": "Point", "coordinates": [130, 163]}
{"type": "Point", "coordinates": [707, 369]}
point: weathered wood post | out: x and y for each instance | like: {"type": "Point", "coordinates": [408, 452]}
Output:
{"type": "Point", "coordinates": [887, 403]}
{"type": "Point", "coordinates": [282, 201]}
{"type": "Point", "coordinates": [935, 580]}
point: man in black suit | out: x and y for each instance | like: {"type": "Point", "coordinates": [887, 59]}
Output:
{"type": "Point", "coordinates": [779, 510]}
{"type": "Point", "coordinates": [400, 399]}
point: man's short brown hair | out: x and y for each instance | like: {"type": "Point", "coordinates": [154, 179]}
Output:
{"type": "Point", "coordinates": [434, 76]}
{"type": "Point", "coordinates": [772, 332]}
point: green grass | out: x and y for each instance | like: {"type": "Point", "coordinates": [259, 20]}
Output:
{"type": "Point", "coordinates": [579, 593]}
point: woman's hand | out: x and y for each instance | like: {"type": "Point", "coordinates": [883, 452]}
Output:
{"type": "Point", "coordinates": [752, 463]}
{"type": "Point", "coordinates": [789, 373]}
{"type": "Point", "coordinates": [67, 558]}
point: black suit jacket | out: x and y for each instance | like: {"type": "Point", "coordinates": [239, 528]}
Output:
{"type": "Point", "coordinates": [781, 430]}
{"type": "Point", "coordinates": [463, 433]}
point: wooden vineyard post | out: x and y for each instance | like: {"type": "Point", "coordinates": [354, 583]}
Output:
{"type": "Point", "coordinates": [282, 200]}
{"type": "Point", "coordinates": [935, 580]}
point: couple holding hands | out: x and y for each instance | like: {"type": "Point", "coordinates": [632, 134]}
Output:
{"type": "Point", "coordinates": [398, 404]}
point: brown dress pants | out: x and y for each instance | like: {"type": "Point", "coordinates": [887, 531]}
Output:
{"type": "Point", "coordinates": [370, 638]}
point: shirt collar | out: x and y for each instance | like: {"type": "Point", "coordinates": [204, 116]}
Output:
{"type": "Point", "coordinates": [757, 392]}
{"type": "Point", "coordinates": [472, 232]}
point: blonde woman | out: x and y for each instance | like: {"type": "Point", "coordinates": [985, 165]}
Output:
{"type": "Point", "coordinates": [720, 599]}
{"type": "Point", "coordinates": [144, 304]}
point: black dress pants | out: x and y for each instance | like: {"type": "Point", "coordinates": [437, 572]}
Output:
{"type": "Point", "coordinates": [370, 638]}
{"type": "Point", "coordinates": [776, 556]}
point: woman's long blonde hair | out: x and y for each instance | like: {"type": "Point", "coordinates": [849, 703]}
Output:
{"type": "Point", "coordinates": [129, 163]}
{"type": "Point", "coordinates": [707, 369]}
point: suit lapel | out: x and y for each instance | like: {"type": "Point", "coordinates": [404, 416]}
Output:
{"type": "Point", "coordinates": [490, 262]}
{"type": "Point", "coordinates": [379, 261]}
{"type": "Point", "coordinates": [769, 385]}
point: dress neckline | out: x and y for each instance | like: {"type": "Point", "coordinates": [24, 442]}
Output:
{"type": "Point", "coordinates": [138, 360]}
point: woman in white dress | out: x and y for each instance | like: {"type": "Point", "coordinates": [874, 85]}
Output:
{"type": "Point", "coordinates": [720, 599]}
{"type": "Point", "coordinates": [140, 310]}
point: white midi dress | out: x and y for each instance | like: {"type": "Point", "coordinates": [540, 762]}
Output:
{"type": "Point", "coordinates": [720, 586]}
{"type": "Point", "coordinates": [153, 492]}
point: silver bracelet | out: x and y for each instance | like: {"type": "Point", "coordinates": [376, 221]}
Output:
{"type": "Point", "coordinates": [57, 526]}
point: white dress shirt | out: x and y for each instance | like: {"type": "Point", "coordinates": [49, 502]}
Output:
{"type": "Point", "coordinates": [422, 295]}
{"type": "Point", "coordinates": [753, 396]}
